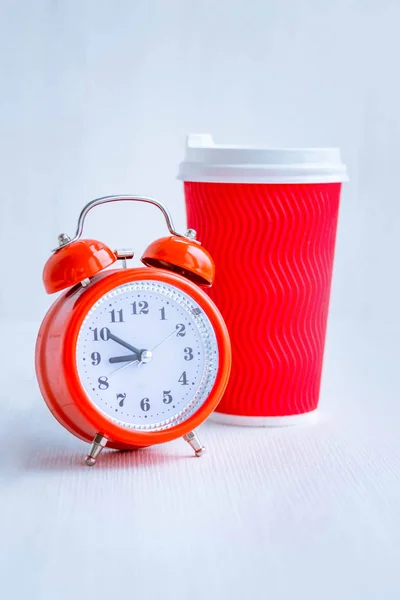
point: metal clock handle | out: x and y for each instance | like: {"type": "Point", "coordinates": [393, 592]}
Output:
{"type": "Point", "coordinates": [64, 239]}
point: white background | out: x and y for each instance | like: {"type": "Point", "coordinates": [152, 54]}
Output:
{"type": "Point", "coordinates": [96, 98]}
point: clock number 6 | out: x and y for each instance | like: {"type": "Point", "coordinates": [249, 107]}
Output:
{"type": "Point", "coordinates": [145, 404]}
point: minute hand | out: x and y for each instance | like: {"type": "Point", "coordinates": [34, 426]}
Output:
{"type": "Point", "coordinates": [113, 337]}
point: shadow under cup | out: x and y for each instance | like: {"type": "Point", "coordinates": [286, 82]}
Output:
{"type": "Point", "coordinates": [273, 245]}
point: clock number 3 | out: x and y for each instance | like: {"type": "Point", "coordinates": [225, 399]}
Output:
{"type": "Point", "coordinates": [188, 353]}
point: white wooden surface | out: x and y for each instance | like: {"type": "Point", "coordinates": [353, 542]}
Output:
{"type": "Point", "coordinates": [309, 512]}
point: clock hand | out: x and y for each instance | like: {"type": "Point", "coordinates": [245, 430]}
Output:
{"type": "Point", "coordinates": [128, 364]}
{"type": "Point", "coordinates": [113, 337]}
{"type": "Point", "coordinates": [144, 357]}
{"type": "Point", "coordinates": [139, 356]}
{"type": "Point", "coordinates": [127, 358]}
{"type": "Point", "coordinates": [164, 340]}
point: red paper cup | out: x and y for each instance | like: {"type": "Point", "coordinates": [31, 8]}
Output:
{"type": "Point", "coordinates": [268, 218]}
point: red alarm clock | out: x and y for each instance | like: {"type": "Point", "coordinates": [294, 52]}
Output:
{"type": "Point", "coordinates": [131, 357]}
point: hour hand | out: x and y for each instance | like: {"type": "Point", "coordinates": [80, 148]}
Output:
{"type": "Point", "coordinates": [127, 358]}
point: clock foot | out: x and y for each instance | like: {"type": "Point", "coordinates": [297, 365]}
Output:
{"type": "Point", "coordinates": [98, 444]}
{"type": "Point", "coordinates": [193, 441]}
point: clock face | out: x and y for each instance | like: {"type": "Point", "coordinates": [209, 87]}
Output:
{"type": "Point", "coordinates": [147, 355]}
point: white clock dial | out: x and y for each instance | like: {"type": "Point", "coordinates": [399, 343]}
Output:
{"type": "Point", "coordinates": [147, 355]}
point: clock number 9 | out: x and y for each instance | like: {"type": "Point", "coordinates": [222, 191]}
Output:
{"type": "Point", "coordinates": [96, 358]}
{"type": "Point", "coordinates": [145, 404]}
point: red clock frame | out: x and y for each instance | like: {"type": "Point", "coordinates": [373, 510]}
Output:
{"type": "Point", "coordinates": [57, 371]}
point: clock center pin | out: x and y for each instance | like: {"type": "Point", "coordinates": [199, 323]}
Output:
{"type": "Point", "coordinates": [146, 356]}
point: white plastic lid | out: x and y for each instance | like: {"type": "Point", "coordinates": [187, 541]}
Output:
{"type": "Point", "coordinates": [206, 161]}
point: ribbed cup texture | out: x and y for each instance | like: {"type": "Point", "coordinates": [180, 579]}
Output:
{"type": "Point", "coordinates": [273, 247]}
